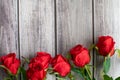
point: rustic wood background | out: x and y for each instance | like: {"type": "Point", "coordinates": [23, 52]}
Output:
{"type": "Point", "coordinates": [28, 26]}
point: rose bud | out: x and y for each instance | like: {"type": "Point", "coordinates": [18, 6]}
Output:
{"type": "Point", "coordinates": [80, 55]}
{"type": "Point", "coordinates": [105, 45]}
{"type": "Point", "coordinates": [43, 58]}
{"type": "Point", "coordinates": [11, 62]}
{"type": "Point", "coordinates": [60, 65]}
{"type": "Point", "coordinates": [37, 66]}
{"type": "Point", "coordinates": [35, 71]}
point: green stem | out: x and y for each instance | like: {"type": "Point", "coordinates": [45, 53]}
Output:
{"type": "Point", "coordinates": [71, 77]}
{"type": "Point", "coordinates": [26, 60]}
{"type": "Point", "coordinates": [89, 74]}
{"type": "Point", "coordinates": [1, 66]}
{"type": "Point", "coordinates": [16, 77]}
{"type": "Point", "coordinates": [92, 47]}
{"type": "Point", "coordinates": [12, 78]}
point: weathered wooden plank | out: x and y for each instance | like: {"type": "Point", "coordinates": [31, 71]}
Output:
{"type": "Point", "coordinates": [74, 24]}
{"type": "Point", "coordinates": [8, 28]}
{"type": "Point", "coordinates": [36, 27]}
{"type": "Point", "coordinates": [106, 22]}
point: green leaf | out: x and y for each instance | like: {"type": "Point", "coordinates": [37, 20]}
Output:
{"type": "Point", "coordinates": [23, 72]}
{"type": "Point", "coordinates": [106, 65]}
{"type": "Point", "coordinates": [50, 70]}
{"type": "Point", "coordinates": [106, 77]}
{"type": "Point", "coordinates": [77, 70]}
{"type": "Point", "coordinates": [117, 78]}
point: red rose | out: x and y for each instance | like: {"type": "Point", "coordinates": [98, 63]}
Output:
{"type": "Point", "coordinates": [38, 65]}
{"type": "Point", "coordinates": [35, 72]}
{"type": "Point", "coordinates": [60, 65]}
{"type": "Point", "coordinates": [80, 56]}
{"type": "Point", "coordinates": [11, 62]}
{"type": "Point", "coordinates": [106, 45]}
{"type": "Point", "coordinates": [43, 58]}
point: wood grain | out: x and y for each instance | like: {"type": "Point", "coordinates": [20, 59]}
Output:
{"type": "Point", "coordinates": [71, 20]}
{"type": "Point", "coordinates": [36, 27]}
{"type": "Point", "coordinates": [8, 28]}
{"type": "Point", "coordinates": [74, 24]}
{"type": "Point", "coordinates": [106, 22]}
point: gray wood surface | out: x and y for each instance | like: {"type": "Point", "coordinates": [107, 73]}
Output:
{"type": "Point", "coordinates": [55, 26]}
{"type": "Point", "coordinates": [107, 22]}
{"type": "Point", "coordinates": [74, 24]}
{"type": "Point", "coordinates": [8, 28]}
{"type": "Point", "coordinates": [36, 25]}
